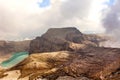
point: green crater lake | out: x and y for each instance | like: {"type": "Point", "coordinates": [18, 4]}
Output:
{"type": "Point", "coordinates": [15, 59]}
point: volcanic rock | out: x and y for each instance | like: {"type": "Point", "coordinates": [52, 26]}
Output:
{"type": "Point", "coordinates": [72, 78]}
{"type": "Point", "coordinates": [67, 54]}
{"type": "Point", "coordinates": [94, 63]}
{"type": "Point", "coordinates": [9, 47]}
{"type": "Point", "coordinates": [60, 39]}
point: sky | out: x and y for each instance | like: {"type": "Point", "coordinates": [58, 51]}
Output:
{"type": "Point", "coordinates": [26, 19]}
{"type": "Point", "coordinates": [44, 3]}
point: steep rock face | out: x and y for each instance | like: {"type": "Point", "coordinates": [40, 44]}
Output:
{"type": "Point", "coordinates": [59, 39]}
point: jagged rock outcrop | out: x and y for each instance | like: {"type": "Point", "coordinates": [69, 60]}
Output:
{"type": "Point", "coordinates": [93, 63]}
{"type": "Point", "coordinates": [96, 38]}
{"type": "Point", "coordinates": [59, 39]}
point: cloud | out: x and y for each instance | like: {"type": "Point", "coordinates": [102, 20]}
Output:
{"type": "Point", "coordinates": [20, 19]}
{"type": "Point", "coordinates": [111, 21]}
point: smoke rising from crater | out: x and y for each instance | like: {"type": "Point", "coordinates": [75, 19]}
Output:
{"type": "Point", "coordinates": [111, 22]}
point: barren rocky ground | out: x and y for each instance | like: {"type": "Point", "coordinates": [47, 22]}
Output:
{"type": "Point", "coordinates": [67, 54]}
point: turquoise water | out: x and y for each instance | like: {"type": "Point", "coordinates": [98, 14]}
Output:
{"type": "Point", "coordinates": [15, 59]}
